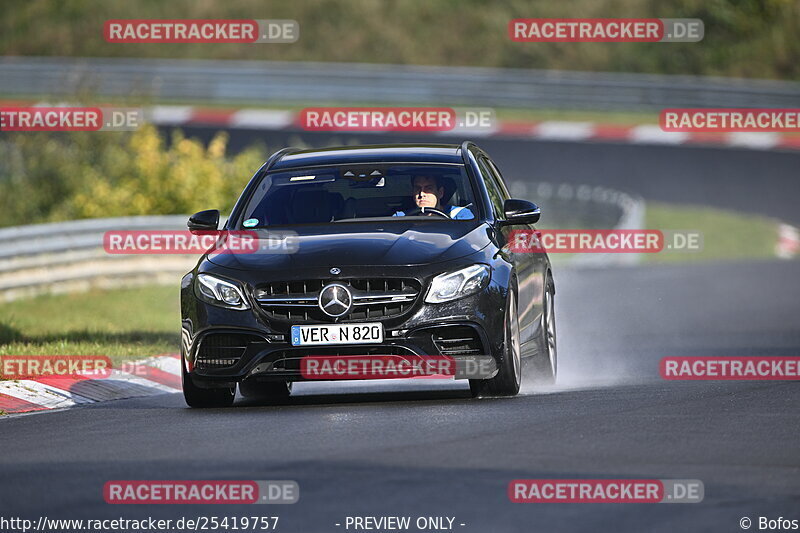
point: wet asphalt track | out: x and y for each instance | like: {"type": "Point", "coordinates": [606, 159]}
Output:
{"type": "Point", "coordinates": [427, 449]}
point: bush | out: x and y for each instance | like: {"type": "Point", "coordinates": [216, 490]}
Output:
{"type": "Point", "coordinates": [48, 177]}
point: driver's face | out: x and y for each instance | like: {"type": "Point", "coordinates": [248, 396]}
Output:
{"type": "Point", "coordinates": [426, 194]}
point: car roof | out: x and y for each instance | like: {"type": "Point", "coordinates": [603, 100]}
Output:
{"type": "Point", "coordinates": [377, 153]}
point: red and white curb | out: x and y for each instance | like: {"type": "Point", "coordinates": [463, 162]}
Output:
{"type": "Point", "coordinates": [788, 244]}
{"type": "Point", "coordinates": [156, 375]}
{"type": "Point", "coordinates": [551, 130]}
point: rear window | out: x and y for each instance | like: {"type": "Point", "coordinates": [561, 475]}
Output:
{"type": "Point", "coordinates": [330, 194]}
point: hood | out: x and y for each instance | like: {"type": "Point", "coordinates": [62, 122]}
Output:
{"type": "Point", "coordinates": [373, 243]}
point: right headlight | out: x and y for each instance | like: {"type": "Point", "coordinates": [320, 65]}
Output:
{"type": "Point", "coordinates": [455, 285]}
{"type": "Point", "coordinates": [220, 292]}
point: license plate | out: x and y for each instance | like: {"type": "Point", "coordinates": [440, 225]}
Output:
{"type": "Point", "coordinates": [337, 334]}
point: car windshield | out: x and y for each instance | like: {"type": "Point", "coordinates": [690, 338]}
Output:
{"type": "Point", "coordinates": [331, 194]}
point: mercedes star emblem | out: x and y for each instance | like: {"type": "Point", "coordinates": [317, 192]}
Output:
{"type": "Point", "coordinates": [336, 270]}
{"type": "Point", "coordinates": [335, 300]}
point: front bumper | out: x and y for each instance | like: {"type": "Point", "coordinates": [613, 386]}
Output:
{"type": "Point", "coordinates": [222, 346]}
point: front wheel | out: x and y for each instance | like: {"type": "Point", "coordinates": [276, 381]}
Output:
{"type": "Point", "coordinates": [508, 378]}
{"type": "Point", "coordinates": [198, 397]}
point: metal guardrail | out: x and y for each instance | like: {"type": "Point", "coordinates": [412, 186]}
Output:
{"type": "Point", "coordinates": [268, 82]}
{"type": "Point", "coordinates": [69, 256]}
{"type": "Point", "coordinates": [26, 241]}
{"type": "Point", "coordinates": [586, 206]}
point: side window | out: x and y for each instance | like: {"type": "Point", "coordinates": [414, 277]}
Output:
{"type": "Point", "coordinates": [499, 178]}
{"type": "Point", "coordinates": [495, 193]}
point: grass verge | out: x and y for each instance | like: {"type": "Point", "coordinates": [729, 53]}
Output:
{"type": "Point", "coordinates": [726, 235]}
{"type": "Point", "coordinates": [123, 324]}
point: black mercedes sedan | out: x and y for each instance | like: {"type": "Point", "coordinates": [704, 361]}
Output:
{"type": "Point", "coordinates": [385, 250]}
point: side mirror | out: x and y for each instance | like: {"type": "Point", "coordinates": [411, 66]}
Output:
{"type": "Point", "coordinates": [204, 221]}
{"type": "Point", "coordinates": [520, 212]}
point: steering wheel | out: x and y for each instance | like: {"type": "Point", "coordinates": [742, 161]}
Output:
{"type": "Point", "coordinates": [426, 210]}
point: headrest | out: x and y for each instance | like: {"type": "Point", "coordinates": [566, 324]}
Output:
{"type": "Point", "coordinates": [450, 188]}
{"type": "Point", "coordinates": [310, 206]}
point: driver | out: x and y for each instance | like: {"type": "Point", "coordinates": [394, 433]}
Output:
{"type": "Point", "coordinates": [428, 191]}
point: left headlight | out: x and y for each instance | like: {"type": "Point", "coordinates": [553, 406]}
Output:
{"type": "Point", "coordinates": [220, 292]}
{"type": "Point", "coordinates": [454, 285]}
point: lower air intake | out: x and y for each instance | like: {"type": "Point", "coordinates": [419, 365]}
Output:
{"type": "Point", "coordinates": [223, 350]}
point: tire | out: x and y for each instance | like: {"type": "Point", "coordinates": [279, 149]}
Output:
{"type": "Point", "coordinates": [544, 364]}
{"type": "Point", "coordinates": [197, 397]}
{"type": "Point", "coordinates": [508, 379]}
{"type": "Point", "coordinates": [270, 392]}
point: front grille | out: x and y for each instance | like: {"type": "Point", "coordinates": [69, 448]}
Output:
{"type": "Point", "coordinates": [373, 299]}
{"type": "Point", "coordinates": [457, 340]}
{"type": "Point", "coordinates": [222, 350]}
